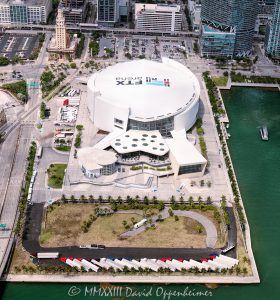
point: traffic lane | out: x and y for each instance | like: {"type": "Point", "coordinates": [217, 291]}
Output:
{"type": "Point", "coordinates": [232, 232]}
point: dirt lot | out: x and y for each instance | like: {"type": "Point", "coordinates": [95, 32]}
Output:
{"type": "Point", "coordinates": [63, 228]}
{"type": "Point", "coordinates": [20, 258]}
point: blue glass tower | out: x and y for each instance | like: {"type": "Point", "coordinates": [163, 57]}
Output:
{"type": "Point", "coordinates": [273, 33]}
{"type": "Point", "coordinates": [228, 17]}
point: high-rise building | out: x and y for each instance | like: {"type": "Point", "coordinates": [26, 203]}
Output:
{"type": "Point", "coordinates": [60, 31]}
{"type": "Point", "coordinates": [195, 14]}
{"type": "Point", "coordinates": [24, 11]}
{"type": "Point", "coordinates": [61, 43]}
{"type": "Point", "coordinates": [74, 10]}
{"type": "Point", "coordinates": [72, 3]}
{"type": "Point", "coordinates": [228, 16]}
{"type": "Point", "coordinates": [272, 43]}
{"type": "Point", "coordinates": [158, 17]}
{"type": "Point", "coordinates": [265, 12]}
{"type": "Point", "coordinates": [107, 12]}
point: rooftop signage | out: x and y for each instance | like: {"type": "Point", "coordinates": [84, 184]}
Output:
{"type": "Point", "coordinates": [140, 80]}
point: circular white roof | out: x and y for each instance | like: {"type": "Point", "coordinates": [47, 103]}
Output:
{"type": "Point", "coordinates": [94, 159]}
{"type": "Point", "coordinates": [152, 90]}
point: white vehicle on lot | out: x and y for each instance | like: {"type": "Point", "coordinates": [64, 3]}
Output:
{"type": "Point", "coordinates": [39, 152]}
{"type": "Point", "coordinates": [139, 224]}
{"type": "Point", "coordinates": [77, 264]}
{"type": "Point", "coordinates": [48, 255]}
{"type": "Point", "coordinates": [89, 266]}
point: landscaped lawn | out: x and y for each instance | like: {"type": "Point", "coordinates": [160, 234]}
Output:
{"type": "Point", "coordinates": [63, 148]}
{"type": "Point", "coordinates": [56, 175]}
{"type": "Point", "coordinates": [220, 80]}
{"type": "Point", "coordinates": [63, 228]}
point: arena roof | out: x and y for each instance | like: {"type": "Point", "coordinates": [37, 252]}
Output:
{"type": "Point", "coordinates": [152, 90]}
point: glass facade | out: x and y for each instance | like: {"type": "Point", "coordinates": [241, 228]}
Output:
{"type": "Point", "coordinates": [164, 125]}
{"type": "Point", "coordinates": [190, 169]}
{"type": "Point", "coordinates": [19, 14]}
{"type": "Point", "coordinates": [109, 169]}
{"type": "Point", "coordinates": [272, 42]}
{"type": "Point", "coordinates": [217, 43]}
{"type": "Point", "coordinates": [237, 16]}
{"type": "Point", "coordinates": [106, 170]}
{"type": "Point", "coordinates": [106, 11]}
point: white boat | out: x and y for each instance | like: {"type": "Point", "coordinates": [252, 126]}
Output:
{"type": "Point", "coordinates": [264, 133]}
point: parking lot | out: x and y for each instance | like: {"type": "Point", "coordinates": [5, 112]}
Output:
{"type": "Point", "coordinates": [153, 48]}
{"type": "Point", "coordinates": [12, 45]}
{"type": "Point", "coordinates": [106, 43]}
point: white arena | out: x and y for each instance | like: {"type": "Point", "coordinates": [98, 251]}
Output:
{"type": "Point", "coordinates": [146, 107]}
{"type": "Point", "coordinates": [144, 95]}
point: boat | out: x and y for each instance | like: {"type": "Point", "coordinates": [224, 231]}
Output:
{"type": "Point", "coordinates": [264, 133]}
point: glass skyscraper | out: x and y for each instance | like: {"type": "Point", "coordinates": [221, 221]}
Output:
{"type": "Point", "coordinates": [107, 12]}
{"type": "Point", "coordinates": [273, 33]}
{"type": "Point", "coordinates": [225, 17]}
{"type": "Point", "coordinates": [18, 12]}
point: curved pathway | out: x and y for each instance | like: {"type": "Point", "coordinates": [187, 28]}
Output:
{"type": "Point", "coordinates": [210, 228]}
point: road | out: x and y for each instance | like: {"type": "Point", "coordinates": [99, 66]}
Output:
{"type": "Point", "coordinates": [92, 27]}
{"type": "Point", "coordinates": [14, 151]}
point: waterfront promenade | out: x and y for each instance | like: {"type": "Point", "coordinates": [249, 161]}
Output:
{"type": "Point", "coordinates": [89, 278]}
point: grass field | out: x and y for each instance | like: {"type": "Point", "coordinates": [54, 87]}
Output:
{"type": "Point", "coordinates": [56, 175]}
{"type": "Point", "coordinates": [63, 228]}
{"type": "Point", "coordinates": [220, 80]}
{"type": "Point", "coordinates": [63, 148]}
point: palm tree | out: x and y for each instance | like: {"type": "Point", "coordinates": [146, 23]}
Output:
{"type": "Point", "coordinates": [203, 270]}
{"type": "Point", "coordinates": [209, 200]}
{"type": "Point", "coordinates": [223, 271]}
{"type": "Point", "coordinates": [245, 259]}
{"type": "Point", "coordinates": [91, 199]}
{"type": "Point", "coordinates": [244, 270]}
{"type": "Point", "coordinates": [146, 200]}
{"type": "Point", "coordinates": [172, 199]}
{"type": "Point", "coordinates": [72, 198]}
{"type": "Point", "coordinates": [191, 200]}
{"type": "Point", "coordinates": [237, 270]}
